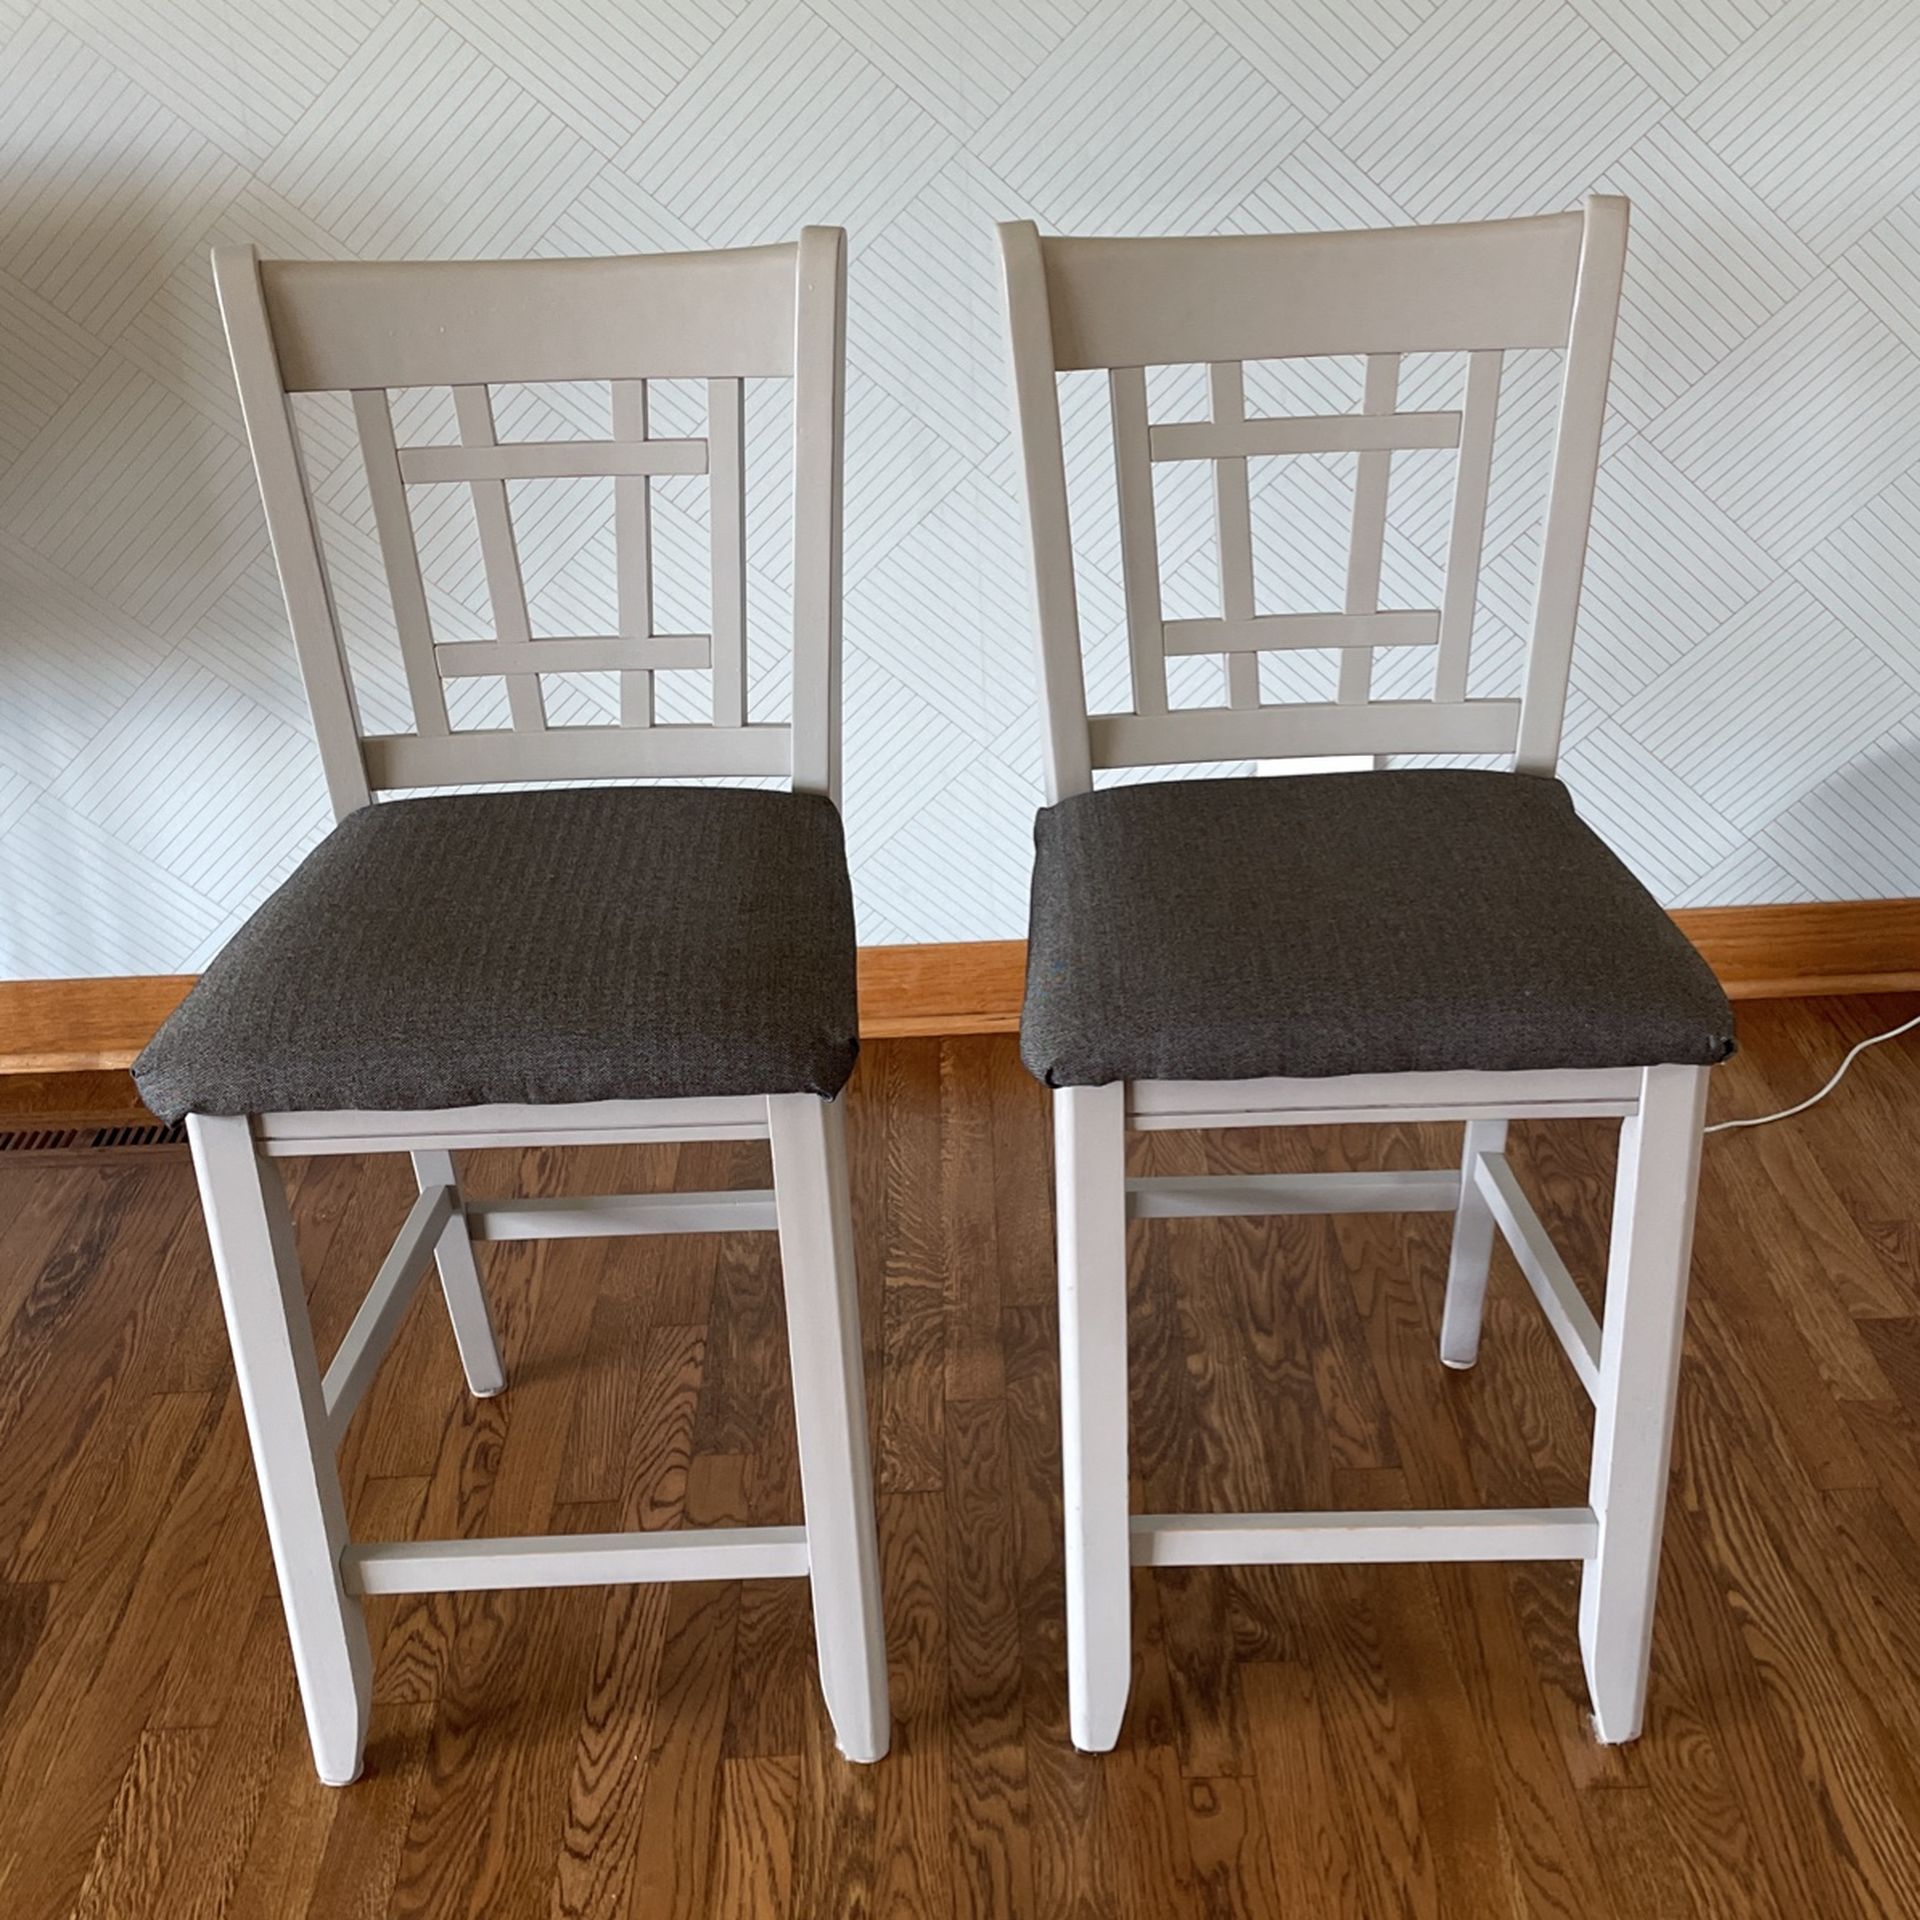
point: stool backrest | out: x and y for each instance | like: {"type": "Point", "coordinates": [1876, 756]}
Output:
{"type": "Point", "coordinates": [368, 329]}
{"type": "Point", "coordinates": [1476, 292]}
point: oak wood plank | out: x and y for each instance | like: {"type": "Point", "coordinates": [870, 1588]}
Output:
{"type": "Point", "coordinates": [229, 1794]}
{"type": "Point", "coordinates": [970, 1248]}
{"type": "Point", "coordinates": [676, 1833]}
{"type": "Point", "coordinates": [611, 1755]}
{"type": "Point", "coordinates": [145, 1826]}
{"type": "Point", "coordinates": [910, 1445]}
{"type": "Point", "coordinates": [759, 1794]}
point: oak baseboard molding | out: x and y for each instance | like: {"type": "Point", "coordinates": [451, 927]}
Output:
{"type": "Point", "coordinates": [1759, 953]}
{"type": "Point", "coordinates": [65, 1045]}
{"type": "Point", "coordinates": [1810, 948]}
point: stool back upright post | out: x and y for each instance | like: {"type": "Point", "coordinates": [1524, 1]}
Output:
{"type": "Point", "coordinates": [365, 329]}
{"type": "Point", "coordinates": [1122, 306]}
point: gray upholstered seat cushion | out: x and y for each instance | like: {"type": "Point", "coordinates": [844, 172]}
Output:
{"type": "Point", "coordinates": [1320, 924]}
{"type": "Point", "coordinates": [607, 943]}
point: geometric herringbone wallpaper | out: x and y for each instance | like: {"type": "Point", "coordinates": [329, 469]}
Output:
{"type": "Point", "coordinates": [1745, 723]}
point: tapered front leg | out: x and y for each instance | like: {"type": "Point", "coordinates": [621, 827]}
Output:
{"type": "Point", "coordinates": [279, 1378]}
{"type": "Point", "coordinates": [1090, 1174]}
{"type": "Point", "coordinates": [830, 1415]}
{"type": "Point", "coordinates": [1647, 1266]}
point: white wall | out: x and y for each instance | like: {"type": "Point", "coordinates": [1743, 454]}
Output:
{"type": "Point", "coordinates": [1747, 704]}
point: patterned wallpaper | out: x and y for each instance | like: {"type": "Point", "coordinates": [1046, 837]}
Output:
{"type": "Point", "coordinates": [1746, 717]}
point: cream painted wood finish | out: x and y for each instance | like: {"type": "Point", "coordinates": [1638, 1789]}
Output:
{"type": "Point", "coordinates": [724, 317]}
{"type": "Point", "coordinates": [1480, 291]}
{"type": "Point", "coordinates": [369, 328]}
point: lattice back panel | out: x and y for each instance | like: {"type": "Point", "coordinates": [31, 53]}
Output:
{"type": "Point", "coordinates": [421, 429]}
{"type": "Point", "coordinates": [566, 596]}
{"type": "Point", "coordinates": [1251, 622]}
{"type": "Point", "coordinates": [1254, 563]}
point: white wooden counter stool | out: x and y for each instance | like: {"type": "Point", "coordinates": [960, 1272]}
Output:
{"type": "Point", "coordinates": [546, 965]}
{"type": "Point", "coordinates": [1402, 944]}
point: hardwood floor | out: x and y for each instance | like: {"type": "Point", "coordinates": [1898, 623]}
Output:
{"type": "Point", "coordinates": [1302, 1742]}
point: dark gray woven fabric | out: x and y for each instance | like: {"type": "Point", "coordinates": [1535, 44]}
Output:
{"type": "Point", "coordinates": [609, 943]}
{"type": "Point", "coordinates": [1348, 923]}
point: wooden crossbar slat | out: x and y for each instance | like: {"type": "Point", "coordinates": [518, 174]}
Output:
{"type": "Point", "coordinates": [1369, 540]}
{"type": "Point", "coordinates": [393, 523]}
{"type": "Point", "coordinates": [1308, 728]}
{"type": "Point", "coordinates": [727, 516]}
{"type": "Point", "coordinates": [572, 653]}
{"type": "Point", "coordinates": [1205, 1196]}
{"type": "Point", "coordinates": [499, 554]}
{"type": "Point", "coordinates": [578, 1216]}
{"type": "Point", "coordinates": [1278, 632]}
{"type": "Point", "coordinates": [364, 1344]}
{"type": "Point", "coordinates": [578, 753]}
{"type": "Point", "coordinates": [1568, 1314]}
{"type": "Point", "coordinates": [1233, 526]}
{"type": "Point", "coordinates": [1363, 1537]}
{"type": "Point", "coordinates": [1186, 300]}
{"type": "Point", "coordinates": [1186, 1106]}
{"type": "Point", "coordinates": [633, 551]}
{"type": "Point", "coordinates": [1472, 472]}
{"type": "Point", "coordinates": [1139, 538]}
{"type": "Point", "coordinates": [552, 460]}
{"type": "Point", "coordinates": [1385, 432]}
{"type": "Point", "coordinates": [575, 1560]}
{"type": "Point", "coordinates": [586, 1123]}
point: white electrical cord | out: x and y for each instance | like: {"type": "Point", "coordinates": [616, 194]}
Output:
{"type": "Point", "coordinates": [1839, 1074]}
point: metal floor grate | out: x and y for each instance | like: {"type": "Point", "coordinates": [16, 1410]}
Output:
{"type": "Point", "coordinates": [131, 1134]}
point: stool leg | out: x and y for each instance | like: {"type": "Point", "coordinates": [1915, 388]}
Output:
{"type": "Point", "coordinates": [808, 1136]}
{"type": "Point", "coordinates": [1473, 1231]}
{"type": "Point", "coordinates": [460, 1283]}
{"type": "Point", "coordinates": [1640, 1338]}
{"type": "Point", "coordinates": [279, 1378]}
{"type": "Point", "coordinates": [1090, 1176]}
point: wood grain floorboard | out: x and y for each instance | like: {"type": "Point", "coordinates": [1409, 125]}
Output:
{"type": "Point", "coordinates": [1393, 1742]}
